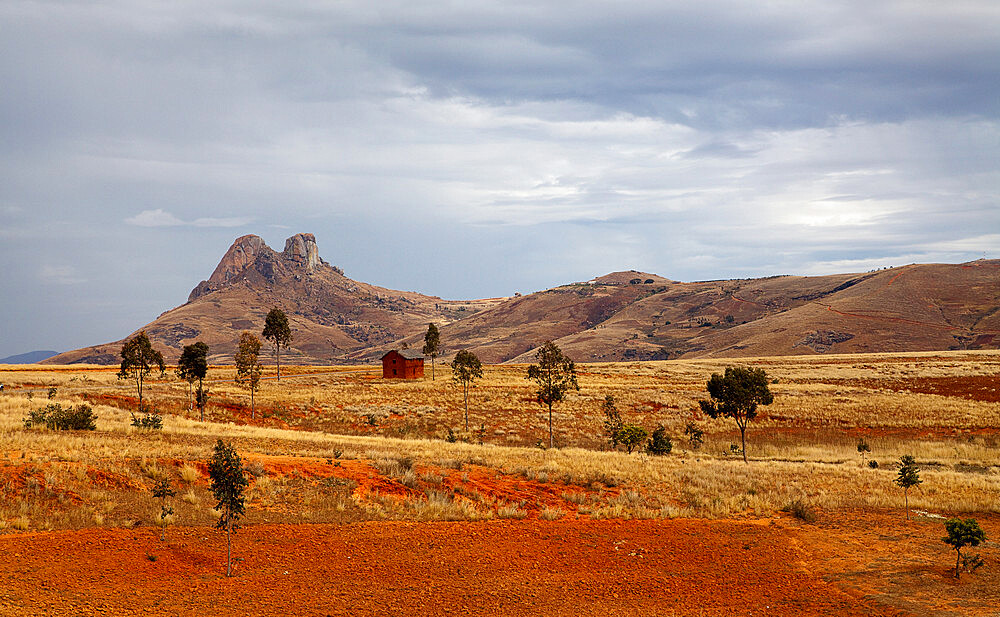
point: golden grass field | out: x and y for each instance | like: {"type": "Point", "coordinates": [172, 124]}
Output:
{"type": "Point", "coordinates": [341, 443]}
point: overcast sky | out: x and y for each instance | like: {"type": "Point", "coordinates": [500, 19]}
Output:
{"type": "Point", "coordinates": [498, 146]}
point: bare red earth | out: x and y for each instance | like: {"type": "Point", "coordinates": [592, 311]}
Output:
{"type": "Point", "coordinates": [571, 567]}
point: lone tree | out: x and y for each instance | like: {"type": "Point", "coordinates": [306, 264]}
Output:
{"type": "Point", "coordinates": [138, 360]}
{"type": "Point", "coordinates": [632, 436]}
{"type": "Point", "coordinates": [465, 369]}
{"type": "Point", "coordinates": [228, 483]}
{"type": "Point", "coordinates": [277, 330]}
{"type": "Point", "coordinates": [736, 395]}
{"type": "Point", "coordinates": [961, 534]}
{"type": "Point", "coordinates": [162, 490]}
{"type": "Point", "coordinates": [193, 366]}
{"type": "Point", "coordinates": [612, 421]}
{"type": "Point", "coordinates": [555, 375]}
{"type": "Point", "coordinates": [863, 449]}
{"type": "Point", "coordinates": [248, 368]}
{"type": "Point", "coordinates": [432, 344]}
{"type": "Point", "coordinates": [908, 477]}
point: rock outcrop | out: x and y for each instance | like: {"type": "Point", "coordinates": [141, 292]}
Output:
{"type": "Point", "coordinates": [301, 249]}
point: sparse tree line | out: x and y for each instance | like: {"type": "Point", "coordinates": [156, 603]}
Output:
{"type": "Point", "coordinates": [735, 394]}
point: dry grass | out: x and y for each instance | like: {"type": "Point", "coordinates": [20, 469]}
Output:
{"type": "Point", "coordinates": [802, 448]}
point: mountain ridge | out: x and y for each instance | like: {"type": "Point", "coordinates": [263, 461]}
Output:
{"type": "Point", "coordinates": [627, 315]}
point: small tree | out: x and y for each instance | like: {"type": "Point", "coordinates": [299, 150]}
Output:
{"type": "Point", "coordinates": [696, 436]}
{"type": "Point", "coordinates": [632, 436]}
{"type": "Point", "coordinates": [863, 449]}
{"type": "Point", "coordinates": [659, 443]}
{"type": "Point", "coordinates": [555, 375]}
{"type": "Point", "coordinates": [228, 483]}
{"type": "Point", "coordinates": [138, 360]}
{"type": "Point", "coordinates": [612, 421]}
{"type": "Point", "coordinates": [736, 395]}
{"type": "Point", "coordinates": [432, 344]}
{"type": "Point", "coordinates": [193, 366]}
{"type": "Point", "coordinates": [961, 534]}
{"type": "Point", "coordinates": [465, 369]}
{"type": "Point", "coordinates": [277, 330]}
{"type": "Point", "coordinates": [248, 368]}
{"type": "Point", "coordinates": [162, 490]}
{"type": "Point", "coordinates": [201, 399]}
{"type": "Point", "coordinates": [908, 477]}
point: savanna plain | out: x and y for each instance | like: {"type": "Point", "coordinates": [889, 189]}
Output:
{"type": "Point", "coordinates": [370, 496]}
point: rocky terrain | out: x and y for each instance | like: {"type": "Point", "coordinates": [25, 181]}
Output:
{"type": "Point", "coordinates": [620, 316]}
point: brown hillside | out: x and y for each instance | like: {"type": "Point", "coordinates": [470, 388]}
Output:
{"type": "Point", "coordinates": [619, 316]}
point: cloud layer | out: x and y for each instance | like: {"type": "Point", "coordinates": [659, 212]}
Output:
{"type": "Point", "coordinates": [509, 146]}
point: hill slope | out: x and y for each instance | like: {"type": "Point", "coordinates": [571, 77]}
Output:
{"type": "Point", "coordinates": [619, 316]}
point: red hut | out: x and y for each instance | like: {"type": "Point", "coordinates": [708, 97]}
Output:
{"type": "Point", "coordinates": [403, 364]}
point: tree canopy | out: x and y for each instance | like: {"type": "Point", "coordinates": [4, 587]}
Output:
{"type": "Point", "coordinates": [138, 361]}
{"type": "Point", "coordinates": [465, 369]}
{"type": "Point", "coordinates": [228, 485]}
{"type": "Point", "coordinates": [736, 395]}
{"type": "Point", "coordinates": [961, 534]}
{"type": "Point", "coordinates": [277, 330]}
{"type": "Point", "coordinates": [432, 344]}
{"type": "Point", "coordinates": [555, 375]}
{"type": "Point", "coordinates": [248, 368]}
{"type": "Point", "coordinates": [907, 478]}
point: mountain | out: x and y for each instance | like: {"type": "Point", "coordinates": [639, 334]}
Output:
{"type": "Point", "coordinates": [620, 316]}
{"type": "Point", "coordinates": [29, 357]}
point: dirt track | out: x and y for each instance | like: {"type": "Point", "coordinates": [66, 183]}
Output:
{"type": "Point", "coordinates": [689, 567]}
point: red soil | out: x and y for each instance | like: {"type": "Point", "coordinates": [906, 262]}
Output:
{"type": "Point", "coordinates": [571, 567]}
{"type": "Point", "coordinates": [974, 387]}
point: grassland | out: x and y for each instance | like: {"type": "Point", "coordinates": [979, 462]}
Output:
{"type": "Point", "coordinates": [340, 443]}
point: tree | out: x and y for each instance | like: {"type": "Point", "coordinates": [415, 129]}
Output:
{"type": "Point", "coordinates": [555, 375]}
{"type": "Point", "coordinates": [465, 369]}
{"type": "Point", "coordinates": [631, 436]}
{"type": "Point", "coordinates": [277, 330]}
{"type": "Point", "coordinates": [138, 360]}
{"type": "Point", "coordinates": [162, 490]}
{"type": "Point", "coordinates": [612, 421]}
{"type": "Point", "coordinates": [736, 395]}
{"type": "Point", "coordinates": [248, 368]}
{"type": "Point", "coordinates": [659, 443]}
{"type": "Point", "coordinates": [432, 344]}
{"type": "Point", "coordinates": [201, 399]}
{"type": "Point", "coordinates": [961, 534]}
{"type": "Point", "coordinates": [908, 477]}
{"type": "Point", "coordinates": [193, 366]}
{"type": "Point", "coordinates": [228, 483]}
{"type": "Point", "coordinates": [863, 449]}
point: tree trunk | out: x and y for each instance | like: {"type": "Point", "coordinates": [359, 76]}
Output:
{"type": "Point", "coordinates": [465, 390]}
{"type": "Point", "coordinates": [550, 426]}
{"type": "Point", "coordinates": [277, 359]}
{"type": "Point", "coordinates": [253, 411]}
{"type": "Point", "coordinates": [432, 379]}
{"type": "Point", "coordinates": [743, 441]}
{"type": "Point", "coordinates": [229, 548]}
{"type": "Point", "coordinates": [958, 557]}
{"type": "Point", "coordinates": [906, 500]}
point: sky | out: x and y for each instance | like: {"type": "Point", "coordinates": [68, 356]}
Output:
{"type": "Point", "coordinates": [481, 148]}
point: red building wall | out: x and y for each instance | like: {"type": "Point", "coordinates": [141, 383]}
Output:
{"type": "Point", "coordinates": [396, 366]}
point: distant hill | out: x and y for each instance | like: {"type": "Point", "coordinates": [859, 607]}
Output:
{"type": "Point", "coordinates": [619, 316]}
{"type": "Point", "coordinates": [30, 357]}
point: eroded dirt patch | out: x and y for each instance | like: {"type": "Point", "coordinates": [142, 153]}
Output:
{"type": "Point", "coordinates": [678, 567]}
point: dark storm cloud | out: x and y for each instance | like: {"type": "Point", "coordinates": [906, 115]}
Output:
{"type": "Point", "coordinates": [519, 144]}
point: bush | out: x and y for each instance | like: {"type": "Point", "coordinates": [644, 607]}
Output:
{"type": "Point", "coordinates": [148, 421]}
{"type": "Point", "coordinates": [873, 464]}
{"type": "Point", "coordinates": [631, 436]}
{"type": "Point", "coordinates": [659, 444]}
{"type": "Point", "coordinates": [800, 510]}
{"type": "Point", "coordinates": [54, 417]}
{"type": "Point", "coordinates": [696, 436]}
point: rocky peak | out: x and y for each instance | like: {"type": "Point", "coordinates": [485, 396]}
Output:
{"type": "Point", "coordinates": [241, 254]}
{"type": "Point", "coordinates": [301, 249]}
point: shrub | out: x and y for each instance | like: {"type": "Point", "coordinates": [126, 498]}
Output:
{"type": "Point", "coordinates": [800, 510]}
{"type": "Point", "coordinates": [631, 436]}
{"type": "Point", "coordinates": [148, 421]}
{"type": "Point", "coordinates": [873, 464]}
{"type": "Point", "coordinates": [54, 417]}
{"type": "Point", "coordinates": [52, 392]}
{"type": "Point", "coordinates": [696, 436]}
{"type": "Point", "coordinates": [659, 444]}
